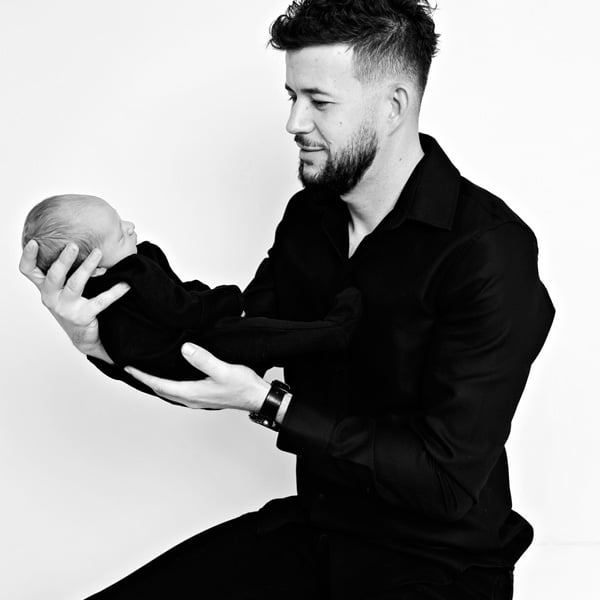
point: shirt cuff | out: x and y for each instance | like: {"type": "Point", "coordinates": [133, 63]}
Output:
{"type": "Point", "coordinates": [305, 429]}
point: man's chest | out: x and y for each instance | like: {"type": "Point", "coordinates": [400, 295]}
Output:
{"type": "Point", "coordinates": [397, 273]}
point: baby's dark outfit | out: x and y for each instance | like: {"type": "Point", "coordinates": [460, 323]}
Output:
{"type": "Point", "coordinates": [147, 326]}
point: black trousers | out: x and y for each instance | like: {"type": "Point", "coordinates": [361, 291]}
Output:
{"type": "Point", "coordinates": [239, 561]}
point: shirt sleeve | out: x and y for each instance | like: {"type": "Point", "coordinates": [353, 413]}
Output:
{"type": "Point", "coordinates": [494, 315]}
{"type": "Point", "coordinates": [259, 296]}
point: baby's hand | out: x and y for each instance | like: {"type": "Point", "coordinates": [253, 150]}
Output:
{"type": "Point", "coordinates": [74, 313]}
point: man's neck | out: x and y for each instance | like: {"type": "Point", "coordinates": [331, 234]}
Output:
{"type": "Point", "coordinates": [377, 193]}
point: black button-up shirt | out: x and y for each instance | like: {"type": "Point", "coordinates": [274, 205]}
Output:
{"type": "Point", "coordinates": [401, 441]}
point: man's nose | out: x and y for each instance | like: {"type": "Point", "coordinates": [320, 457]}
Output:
{"type": "Point", "coordinates": [129, 227]}
{"type": "Point", "coordinates": [299, 120]}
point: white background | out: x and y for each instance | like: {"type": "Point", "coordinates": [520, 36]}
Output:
{"type": "Point", "coordinates": [175, 114]}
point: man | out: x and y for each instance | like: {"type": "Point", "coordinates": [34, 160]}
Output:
{"type": "Point", "coordinates": [402, 475]}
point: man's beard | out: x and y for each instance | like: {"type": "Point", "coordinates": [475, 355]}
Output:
{"type": "Point", "coordinates": [342, 172]}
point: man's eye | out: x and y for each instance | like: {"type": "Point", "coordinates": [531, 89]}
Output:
{"type": "Point", "coordinates": [320, 104]}
{"type": "Point", "coordinates": [292, 99]}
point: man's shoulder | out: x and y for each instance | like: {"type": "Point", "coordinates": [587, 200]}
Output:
{"type": "Point", "coordinates": [305, 209]}
{"type": "Point", "coordinates": [446, 198]}
{"type": "Point", "coordinates": [306, 203]}
{"type": "Point", "coordinates": [479, 210]}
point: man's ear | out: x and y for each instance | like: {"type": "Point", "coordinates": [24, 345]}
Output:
{"type": "Point", "coordinates": [399, 104]}
{"type": "Point", "coordinates": [98, 271]}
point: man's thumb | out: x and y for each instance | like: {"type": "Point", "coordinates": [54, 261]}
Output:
{"type": "Point", "coordinates": [201, 359]}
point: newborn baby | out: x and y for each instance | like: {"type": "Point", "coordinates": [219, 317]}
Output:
{"type": "Point", "coordinates": [147, 327]}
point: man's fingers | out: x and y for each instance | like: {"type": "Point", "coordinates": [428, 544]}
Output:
{"type": "Point", "coordinates": [77, 281]}
{"type": "Point", "coordinates": [101, 301]}
{"type": "Point", "coordinates": [28, 265]}
{"type": "Point", "coordinates": [184, 393]}
{"type": "Point", "coordinates": [204, 361]}
{"type": "Point", "coordinates": [55, 278]}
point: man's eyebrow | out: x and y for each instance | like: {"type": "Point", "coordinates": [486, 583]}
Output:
{"type": "Point", "coordinates": [313, 90]}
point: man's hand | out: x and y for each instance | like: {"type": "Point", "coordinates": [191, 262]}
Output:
{"type": "Point", "coordinates": [75, 314]}
{"type": "Point", "coordinates": [226, 385]}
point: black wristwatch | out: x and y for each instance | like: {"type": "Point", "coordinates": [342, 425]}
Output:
{"type": "Point", "coordinates": [268, 411]}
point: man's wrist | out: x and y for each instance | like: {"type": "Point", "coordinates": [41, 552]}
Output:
{"type": "Point", "coordinates": [258, 396]}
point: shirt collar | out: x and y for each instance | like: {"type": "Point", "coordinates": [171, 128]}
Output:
{"type": "Point", "coordinates": [431, 192]}
{"type": "Point", "coordinates": [429, 196]}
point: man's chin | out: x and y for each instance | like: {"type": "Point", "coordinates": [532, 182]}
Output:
{"type": "Point", "coordinates": [308, 174]}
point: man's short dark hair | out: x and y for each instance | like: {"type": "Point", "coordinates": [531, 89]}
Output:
{"type": "Point", "coordinates": [387, 36]}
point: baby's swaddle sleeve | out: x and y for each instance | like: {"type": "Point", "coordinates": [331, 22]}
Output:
{"type": "Point", "coordinates": [181, 305]}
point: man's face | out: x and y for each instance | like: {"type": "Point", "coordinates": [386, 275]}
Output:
{"type": "Point", "coordinates": [331, 118]}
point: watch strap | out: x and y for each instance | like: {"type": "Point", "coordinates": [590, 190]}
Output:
{"type": "Point", "coordinates": [270, 407]}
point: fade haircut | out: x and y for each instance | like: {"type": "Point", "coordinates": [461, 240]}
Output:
{"type": "Point", "coordinates": [388, 37]}
{"type": "Point", "coordinates": [54, 222]}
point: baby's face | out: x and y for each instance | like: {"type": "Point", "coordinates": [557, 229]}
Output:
{"type": "Point", "coordinates": [118, 237]}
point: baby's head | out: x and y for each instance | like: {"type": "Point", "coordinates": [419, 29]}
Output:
{"type": "Point", "coordinates": [88, 221]}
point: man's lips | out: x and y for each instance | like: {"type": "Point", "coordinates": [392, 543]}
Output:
{"type": "Point", "coordinates": [307, 147]}
{"type": "Point", "coordinates": [310, 148]}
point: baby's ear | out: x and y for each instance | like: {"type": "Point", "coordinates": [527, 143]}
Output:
{"type": "Point", "coordinates": [99, 271]}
